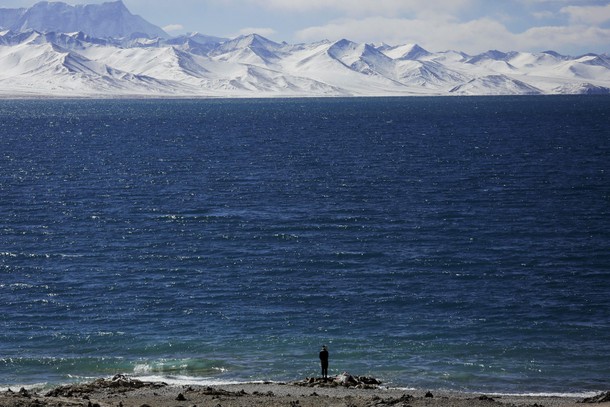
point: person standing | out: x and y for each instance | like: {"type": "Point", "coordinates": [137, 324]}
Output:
{"type": "Point", "coordinates": [324, 361]}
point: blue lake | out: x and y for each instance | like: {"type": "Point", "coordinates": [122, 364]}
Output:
{"type": "Point", "coordinates": [455, 243]}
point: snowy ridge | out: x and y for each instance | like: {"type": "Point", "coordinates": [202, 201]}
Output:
{"type": "Point", "coordinates": [80, 64]}
{"type": "Point", "coordinates": [76, 64]}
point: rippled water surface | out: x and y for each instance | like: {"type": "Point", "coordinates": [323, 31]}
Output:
{"type": "Point", "coordinates": [458, 243]}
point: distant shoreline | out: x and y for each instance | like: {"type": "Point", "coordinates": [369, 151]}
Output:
{"type": "Point", "coordinates": [137, 97]}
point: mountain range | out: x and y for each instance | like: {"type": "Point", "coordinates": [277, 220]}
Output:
{"type": "Point", "coordinates": [54, 49]}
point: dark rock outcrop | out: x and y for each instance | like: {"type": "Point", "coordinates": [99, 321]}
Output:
{"type": "Point", "coordinates": [600, 398]}
{"type": "Point", "coordinates": [118, 384]}
{"type": "Point", "coordinates": [344, 380]}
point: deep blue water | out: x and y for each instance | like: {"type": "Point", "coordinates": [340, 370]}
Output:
{"type": "Point", "coordinates": [457, 243]}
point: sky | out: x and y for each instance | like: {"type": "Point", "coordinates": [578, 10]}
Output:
{"type": "Point", "coordinates": [571, 27]}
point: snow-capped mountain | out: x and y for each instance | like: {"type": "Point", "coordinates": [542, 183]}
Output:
{"type": "Point", "coordinates": [110, 19]}
{"type": "Point", "coordinates": [78, 63]}
{"type": "Point", "coordinates": [405, 52]}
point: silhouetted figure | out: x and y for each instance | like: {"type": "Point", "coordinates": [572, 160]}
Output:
{"type": "Point", "coordinates": [324, 361]}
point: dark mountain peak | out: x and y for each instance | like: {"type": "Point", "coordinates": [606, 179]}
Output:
{"type": "Point", "coordinates": [110, 19]}
{"type": "Point", "coordinates": [494, 55]}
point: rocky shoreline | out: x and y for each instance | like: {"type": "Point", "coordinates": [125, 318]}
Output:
{"type": "Point", "coordinates": [342, 391]}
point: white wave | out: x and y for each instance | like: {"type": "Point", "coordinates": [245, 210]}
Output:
{"type": "Point", "coordinates": [542, 394]}
{"type": "Point", "coordinates": [186, 380]}
{"type": "Point", "coordinates": [579, 395]}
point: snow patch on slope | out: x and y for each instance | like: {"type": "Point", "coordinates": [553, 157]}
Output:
{"type": "Point", "coordinates": [495, 85]}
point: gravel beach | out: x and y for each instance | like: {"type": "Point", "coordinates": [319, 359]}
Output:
{"type": "Point", "coordinates": [123, 391]}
